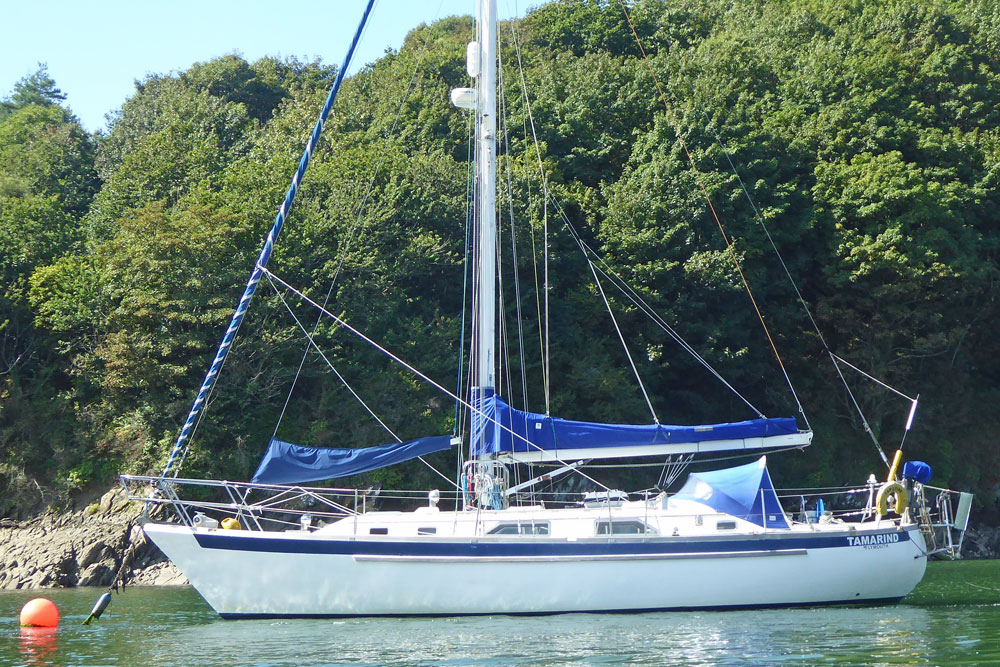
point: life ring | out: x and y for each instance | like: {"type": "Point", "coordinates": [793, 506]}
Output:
{"type": "Point", "coordinates": [882, 500]}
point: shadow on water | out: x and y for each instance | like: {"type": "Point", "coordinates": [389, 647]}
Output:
{"type": "Point", "coordinates": [952, 618]}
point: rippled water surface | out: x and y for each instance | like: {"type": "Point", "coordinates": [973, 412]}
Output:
{"type": "Point", "coordinates": [953, 618]}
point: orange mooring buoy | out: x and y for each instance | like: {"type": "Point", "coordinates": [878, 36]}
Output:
{"type": "Point", "coordinates": [41, 613]}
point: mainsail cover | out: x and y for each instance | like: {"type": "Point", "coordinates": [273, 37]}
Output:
{"type": "Point", "coordinates": [745, 492]}
{"type": "Point", "coordinates": [286, 463]}
{"type": "Point", "coordinates": [528, 436]}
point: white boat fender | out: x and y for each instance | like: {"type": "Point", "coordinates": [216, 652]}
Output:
{"type": "Point", "coordinates": [102, 604]}
{"type": "Point", "coordinates": [882, 499]}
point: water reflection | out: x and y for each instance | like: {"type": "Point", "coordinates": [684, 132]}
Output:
{"type": "Point", "coordinates": [39, 645]}
{"type": "Point", "coordinates": [161, 627]}
{"type": "Point", "coordinates": [788, 637]}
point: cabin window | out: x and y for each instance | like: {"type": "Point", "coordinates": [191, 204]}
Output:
{"type": "Point", "coordinates": [623, 528]}
{"type": "Point", "coordinates": [725, 525]}
{"type": "Point", "coordinates": [378, 531]}
{"type": "Point", "coordinates": [427, 530]}
{"type": "Point", "coordinates": [529, 528]}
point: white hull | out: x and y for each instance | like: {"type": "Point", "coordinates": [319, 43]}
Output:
{"type": "Point", "coordinates": [252, 573]}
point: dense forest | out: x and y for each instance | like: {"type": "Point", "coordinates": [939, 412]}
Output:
{"type": "Point", "coordinates": [866, 133]}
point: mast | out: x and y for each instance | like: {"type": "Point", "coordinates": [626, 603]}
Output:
{"type": "Point", "coordinates": [481, 57]}
{"type": "Point", "coordinates": [486, 142]}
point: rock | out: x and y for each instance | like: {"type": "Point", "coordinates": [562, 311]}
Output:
{"type": "Point", "coordinates": [160, 574]}
{"type": "Point", "coordinates": [97, 574]}
{"type": "Point", "coordinates": [62, 549]}
{"type": "Point", "coordinates": [982, 542]}
{"type": "Point", "coordinates": [92, 554]}
{"type": "Point", "coordinates": [39, 580]}
{"type": "Point", "coordinates": [65, 571]}
{"type": "Point", "coordinates": [113, 501]}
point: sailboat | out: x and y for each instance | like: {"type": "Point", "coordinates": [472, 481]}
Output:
{"type": "Point", "coordinates": [275, 548]}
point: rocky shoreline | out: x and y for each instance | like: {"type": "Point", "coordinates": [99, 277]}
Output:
{"type": "Point", "coordinates": [86, 547]}
{"type": "Point", "coordinates": [81, 548]}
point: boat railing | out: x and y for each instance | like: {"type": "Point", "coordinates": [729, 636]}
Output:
{"type": "Point", "coordinates": [943, 514]}
{"type": "Point", "coordinates": [263, 506]}
{"type": "Point", "coordinates": [827, 504]}
{"type": "Point", "coordinates": [275, 507]}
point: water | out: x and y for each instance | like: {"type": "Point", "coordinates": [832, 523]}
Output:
{"type": "Point", "coordinates": [953, 618]}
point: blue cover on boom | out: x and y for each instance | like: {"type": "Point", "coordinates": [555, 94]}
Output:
{"type": "Point", "coordinates": [745, 492]}
{"type": "Point", "coordinates": [501, 428]}
{"type": "Point", "coordinates": [285, 463]}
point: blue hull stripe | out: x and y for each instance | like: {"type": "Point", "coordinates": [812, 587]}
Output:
{"type": "Point", "coordinates": [780, 605]}
{"type": "Point", "coordinates": [591, 547]}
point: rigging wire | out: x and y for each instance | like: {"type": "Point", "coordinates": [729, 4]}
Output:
{"type": "Point", "coordinates": [545, 230]}
{"type": "Point", "coordinates": [354, 228]}
{"type": "Point", "coordinates": [629, 292]}
{"type": "Point", "coordinates": [621, 337]}
{"type": "Point", "coordinates": [513, 239]}
{"type": "Point", "coordinates": [718, 221]}
{"type": "Point", "coordinates": [805, 306]}
{"type": "Point", "coordinates": [459, 389]}
{"type": "Point", "coordinates": [196, 414]}
{"type": "Point", "coordinates": [623, 286]}
{"type": "Point", "coordinates": [396, 358]}
{"type": "Point", "coordinates": [619, 282]}
{"type": "Point", "coordinates": [873, 378]}
{"type": "Point", "coordinates": [314, 346]}
{"type": "Point", "coordinates": [672, 469]}
{"type": "Point", "coordinates": [642, 305]}
{"type": "Point", "coordinates": [909, 418]}
{"type": "Point", "coordinates": [657, 319]}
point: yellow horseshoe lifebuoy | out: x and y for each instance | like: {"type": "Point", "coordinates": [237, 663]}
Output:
{"type": "Point", "coordinates": [882, 500]}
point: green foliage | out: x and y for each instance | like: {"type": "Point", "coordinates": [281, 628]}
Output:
{"type": "Point", "coordinates": [865, 133]}
{"type": "Point", "coordinates": [37, 89]}
{"type": "Point", "coordinates": [44, 152]}
{"type": "Point", "coordinates": [46, 183]}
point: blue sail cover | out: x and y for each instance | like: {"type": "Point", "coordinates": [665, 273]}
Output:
{"type": "Point", "coordinates": [745, 492]}
{"type": "Point", "coordinates": [503, 429]}
{"type": "Point", "coordinates": [285, 463]}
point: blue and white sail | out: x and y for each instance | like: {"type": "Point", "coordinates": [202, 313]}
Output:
{"type": "Point", "coordinates": [529, 437]}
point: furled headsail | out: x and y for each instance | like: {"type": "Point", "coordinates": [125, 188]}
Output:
{"type": "Point", "coordinates": [526, 437]}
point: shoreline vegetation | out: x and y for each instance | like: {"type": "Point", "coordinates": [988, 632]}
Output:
{"type": "Point", "coordinates": [867, 135]}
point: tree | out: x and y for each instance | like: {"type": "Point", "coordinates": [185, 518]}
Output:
{"type": "Point", "coordinates": [38, 88]}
